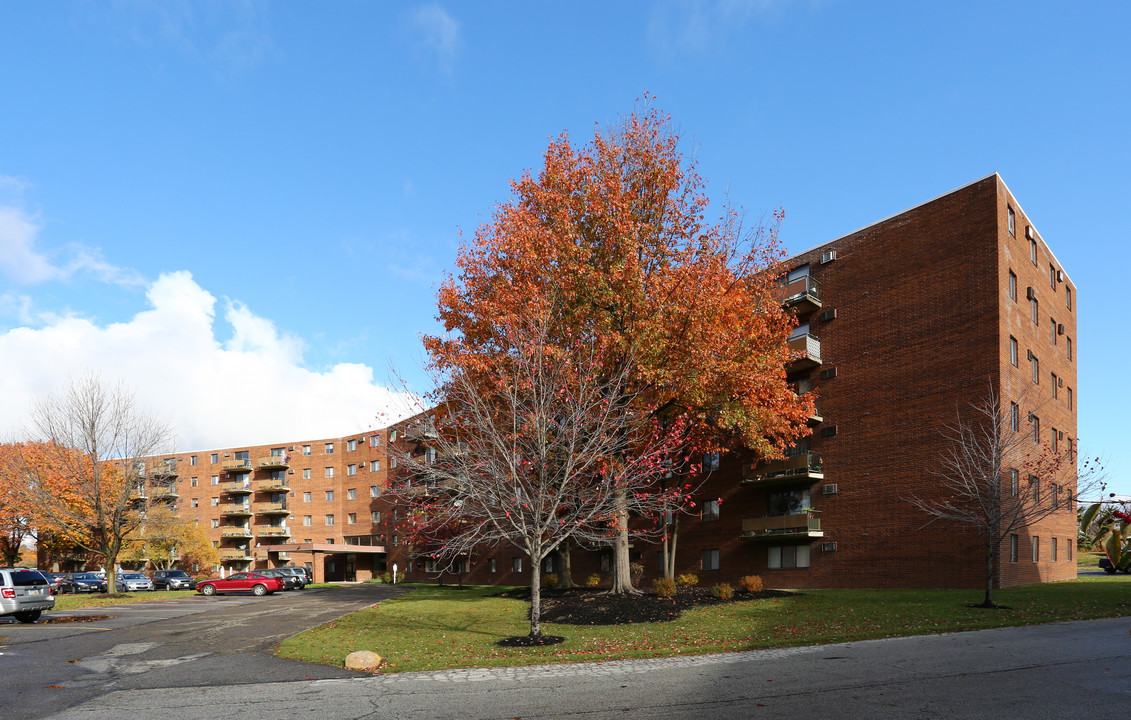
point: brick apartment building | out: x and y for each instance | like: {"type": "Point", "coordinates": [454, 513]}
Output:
{"type": "Point", "coordinates": [901, 324]}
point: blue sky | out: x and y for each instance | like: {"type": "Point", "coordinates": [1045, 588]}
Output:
{"type": "Point", "coordinates": [244, 208]}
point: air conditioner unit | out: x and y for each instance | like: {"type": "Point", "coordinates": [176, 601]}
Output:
{"type": "Point", "coordinates": [1030, 355]}
{"type": "Point", "coordinates": [1030, 417]}
{"type": "Point", "coordinates": [1060, 276]}
{"type": "Point", "coordinates": [1060, 329]}
{"type": "Point", "coordinates": [1030, 293]}
{"type": "Point", "coordinates": [1060, 382]}
{"type": "Point", "coordinates": [291, 448]}
{"type": "Point", "coordinates": [828, 431]}
{"type": "Point", "coordinates": [291, 471]}
{"type": "Point", "coordinates": [828, 256]}
{"type": "Point", "coordinates": [1030, 233]}
{"type": "Point", "coordinates": [829, 314]}
{"type": "Point", "coordinates": [828, 373]}
{"type": "Point", "coordinates": [828, 489]}
{"type": "Point", "coordinates": [828, 547]}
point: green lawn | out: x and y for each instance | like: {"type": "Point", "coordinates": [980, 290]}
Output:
{"type": "Point", "coordinates": [435, 627]}
{"type": "Point", "coordinates": [76, 602]}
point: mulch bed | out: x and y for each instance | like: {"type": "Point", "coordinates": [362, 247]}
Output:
{"type": "Point", "coordinates": [586, 606]}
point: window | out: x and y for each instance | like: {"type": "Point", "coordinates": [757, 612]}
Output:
{"type": "Point", "coordinates": [351, 518]}
{"type": "Point", "coordinates": [306, 473]}
{"type": "Point", "coordinates": [1054, 443]}
{"type": "Point", "coordinates": [1052, 549]}
{"type": "Point", "coordinates": [392, 462]}
{"type": "Point", "coordinates": [516, 564]}
{"type": "Point", "coordinates": [194, 482]}
{"type": "Point", "coordinates": [374, 441]}
{"type": "Point", "coordinates": [215, 501]}
{"type": "Point", "coordinates": [491, 565]}
{"type": "Point", "coordinates": [1036, 549]}
{"type": "Point", "coordinates": [1014, 483]}
{"type": "Point", "coordinates": [1012, 286]}
{"type": "Point", "coordinates": [1068, 297]}
{"type": "Point", "coordinates": [351, 445]}
{"type": "Point", "coordinates": [788, 556]}
{"type": "Point", "coordinates": [1012, 548]}
{"type": "Point", "coordinates": [1035, 486]}
{"type": "Point", "coordinates": [243, 455]}
{"type": "Point", "coordinates": [1068, 341]}
{"type": "Point", "coordinates": [1052, 377]}
{"type": "Point", "coordinates": [1052, 330]}
{"type": "Point", "coordinates": [1035, 364]}
{"type": "Point", "coordinates": [215, 523]}
{"type": "Point", "coordinates": [1032, 246]}
{"type": "Point", "coordinates": [194, 503]}
{"type": "Point", "coordinates": [329, 519]}
{"type": "Point", "coordinates": [215, 458]}
{"type": "Point", "coordinates": [351, 469]}
{"type": "Point", "coordinates": [215, 479]}
{"type": "Point", "coordinates": [192, 460]}
{"type": "Point", "coordinates": [1012, 221]}
{"type": "Point", "coordinates": [393, 435]}
{"type": "Point", "coordinates": [1014, 417]}
{"type": "Point", "coordinates": [1055, 496]}
{"type": "Point", "coordinates": [1071, 450]}
{"type": "Point", "coordinates": [396, 541]}
{"type": "Point", "coordinates": [710, 510]}
{"type": "Point", "coordinates": [328, 472]}
{"type": "Point", "coordinates": [306, 497]}
{"type": "Point", "coordinates": [711, 462]}
{"type": "Point", "coordinates": [1069, 398]}
{"type": "Point", "coordinates": [329, 449]}
{"type": "Point", "coordinates": [429, 455]}
{"type": "Point", "coordinates": [374, 465]}
{"type": "Point", "coordinates": [1036, 429]}
{"type": "Point", "coordinates": [351, 494]}
{"type": "Point", "coordinates": [307, 520]}
{"type": "Point", "coordinates": [710, 560]}
{"type": "Point", "coordinates": [375, 517]}
{"type": "Point", "coordinates": [1068, 502]}
{"type": "Point", "coordinates": [374, 491]}
{"type": "Point", "coordinates": [329, 496]}
{"type": "Point", "coordinates": [1052, 277]}
{"type": "Point", "coordinates": [1034, 308]}
{"type": "Point", "coordinates": [305, 449]}
{"type": "Point", "coordinates": [1013, 351]}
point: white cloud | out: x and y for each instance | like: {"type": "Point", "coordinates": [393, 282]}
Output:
{"type": "Point", "coordinates": [697, 26]}
{"type": "Point", "coordinates": [440, 33]}
{"type": "Point", "coordinates": [248, 389]}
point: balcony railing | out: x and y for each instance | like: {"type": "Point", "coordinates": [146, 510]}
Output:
{"type": "Point", "coordinates": [236, 466]}
{"type": "Point", "coordinates": [236, 556]}
{"type": "Point", "coordinates": [271, 509]}
{"type": "Point", "coordinates": [272, 532]}
{"type": "Point", "coordinates": [235, 510]}
{"type": "Point", "coordinates": [236, 533]}
{"type": "Point", "coordinates": [236, 488]}
{"type": "Point", "coordinates": [164, 494]}
{"type": "Point", "coordinates": [816, 418]}
{"type": "Point", "coordinates": [272, 486]}
{"type": "Point", "coordinates": [782, 526]}
{"type": "Point", "coordinates": [804, 294]}
{"type": "Point", "coordinates": [166, 469]}
{"type": "Point", "coordinates": [805, 467]}
{"type": "Point", "coordinates": [273, 462]}
{"type": "Point", "coordinates": [804, 352]}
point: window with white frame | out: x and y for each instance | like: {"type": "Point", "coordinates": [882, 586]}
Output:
{"type": "Point", "coordinates": [710, 510]}
{"type": "Point", "coordinates": [1013, 548]}
{"type": "Point", "coordinates": [782, 557]}
{"type": "Point", "coordinates": [1036, 549]}
{"type": "Point", "coordinates": [351, 469]}
{"type": "Point", "coordinates": [329, 519]}
{"type": "Point", "coordinates": [329, 449]}
{"type": "Point", "coordinates": [329, 496]}
{"type": "Point", "coordinates": [328, 472]}
{"type": "Point", "coordinates": [351, 494]}
{"type": "Point", "coordinates": [351, 445]}
{"type": "Point", "coordinates": [351, 518]}
{"type": "Point", "coordinates": [306, 497]}
{"type": "Point", "coordinates": [516, 564]}
{"type": "Point", "coordinates": [306, 473]}
{"type": "Point", "coordinates": [374, 465]}
{"type": "Point", "coordinates": [305, 449]}
{"type": "Point", "coordinates": [307, 520]}
{"type": "Point", "coordinates": [374, 491]}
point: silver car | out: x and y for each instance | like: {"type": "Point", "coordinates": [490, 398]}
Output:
{"type": "Point", "coordinates": [24, 594]}
{"type": "Point", "coordinates": [133, 581]}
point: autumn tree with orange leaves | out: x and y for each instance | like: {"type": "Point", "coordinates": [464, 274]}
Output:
{"type": "Point", "coordinates": [610, 241]}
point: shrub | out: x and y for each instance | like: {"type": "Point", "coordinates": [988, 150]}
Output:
{"type": "Point", "coordinates": [751, 583]}
{"type": "Point", "coordinates": [388, 577]}
{"type": "Point", "coordinates": [687, 579]}
{"type": "Point", "coordinates": [723, 591]}
{"type": "Point", "coordinates": [635, 572]}
{"type": "Point", "coordinates": [593, 580]}
{"type": "Point", "coordinates": [549, 580]}
{"type": "Point", "coordinates": [663, 587]}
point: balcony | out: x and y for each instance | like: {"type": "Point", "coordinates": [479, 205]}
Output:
{"type": "Point", "coordinates": [236, 556]}
{"type": "Point", "coordinates": [782, 527]}
{"type": "Point", "coordinates": [164, 494]}
{"type": "Point", "coordinates": [421, 431]}
{"type": "Point", "coordinates": [138, 495]}
{"type": "Point", "coordinates": [803, 294]}
{"type": "Point", "coordinates": [235, 510]}
{"type": "Point", "coordinates": [273, 462]}
{"type": "Point", "coordinates": [166, 469]}
{"type": "Point", "coordinates": [235, 532]}
{"type": "Point", "coordinates": [804, 352]}
{"type": "Point", "coordinates": [273, 532]}
{"type": "Point", "coordinates": [271, 509]}
{"type": "Point", "coordinates": [805, 467]}
{"type": "Point", "coordinates": [236, 466]}
{"type": "Point", "coordinates": [236, 488]}
{"type": "Point", "coordinates": [272, 486]}
{"type": "Point", "coordinates": [816, 418]}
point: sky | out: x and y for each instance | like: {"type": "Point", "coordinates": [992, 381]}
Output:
{"type": "Point", "coordinates": [242, 210]}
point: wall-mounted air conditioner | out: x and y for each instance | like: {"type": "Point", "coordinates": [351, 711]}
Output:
{"type": "Point", "coordinates": [828, 256]}
{"type": "Point", "coordinates": [828, 489]}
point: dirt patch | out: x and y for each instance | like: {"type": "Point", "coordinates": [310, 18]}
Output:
{"type": "Point", "coordinates": [59, 619]}
{"type": "Point", "coordinates": [584, 606]}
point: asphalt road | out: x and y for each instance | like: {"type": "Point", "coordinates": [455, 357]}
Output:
{"type": "Point", "coordinates": [211, 665]}
{"type": "Point", "coordinates": [190, 642]}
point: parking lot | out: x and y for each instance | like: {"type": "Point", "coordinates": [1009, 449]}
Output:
{"type": "Point", "coordinates": [189, 641]}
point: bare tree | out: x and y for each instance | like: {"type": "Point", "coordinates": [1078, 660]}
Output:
{"type": "Point", "coordinates": [89, 482]}
{"type": "Point", "coordinates": [533, 448]}
{"type": "Point", "coordinates": [991, 475]}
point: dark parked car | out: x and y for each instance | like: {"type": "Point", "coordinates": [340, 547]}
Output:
{"type": "Point", "coordinates": [54, 581]}
{"type": "Point", "coordinates": [296, 572]}
{"type": "Point", "coordinates": [253, 582]}
{"type": "Point", "coordinates": [290, 582]}
{"type": "Point", "coordinates": [1110, 569]}
{"type": "Point", "coordinates": [173, 580]}
{"type": "Point", "coordinates": [82, 583]}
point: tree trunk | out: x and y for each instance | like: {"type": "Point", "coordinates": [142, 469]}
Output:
{"type": "Point", "coordinates": [565, 571]}
{"type": "Point", "coordinates": [535, 596]}
{"type": "Point", "coordinates": [990, 550]}
{"type": "Point", "coordinates": [622, 573]}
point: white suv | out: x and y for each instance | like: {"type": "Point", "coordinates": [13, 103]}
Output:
{"type": "Point", "coordinates": [24, 594]}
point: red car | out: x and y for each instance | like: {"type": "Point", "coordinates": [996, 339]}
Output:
{"type": "Point", "coordinates": [241, 582]}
